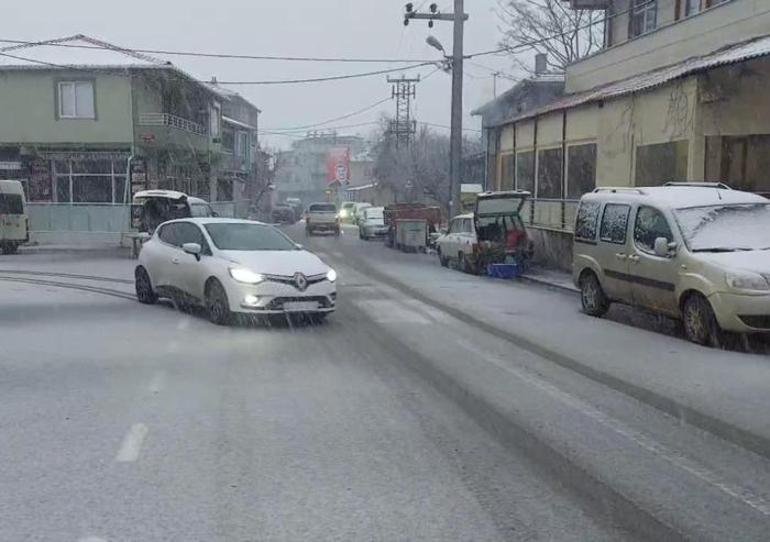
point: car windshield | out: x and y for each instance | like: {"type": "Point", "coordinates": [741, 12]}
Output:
{"type": "Point", "coordinates": [245, 236]}
{"type": "Point", "coordinates": [374, 214]}
{"type": "Point", "coordinates": [725, 228]}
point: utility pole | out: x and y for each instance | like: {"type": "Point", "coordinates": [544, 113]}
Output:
{"type": "Point", "coordinates": [403, 89]}
{"type": "Point", "coordinates": [458, 18]}
{"type": "Point", "coordinates": [495, 75]}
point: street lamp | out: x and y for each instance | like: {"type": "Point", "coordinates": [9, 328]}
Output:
{"type": "Point", "coordinates": [433, 42]}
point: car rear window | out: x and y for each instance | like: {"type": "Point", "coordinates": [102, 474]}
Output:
{"type": "Point", "coordinates": [323, 208]}
{"type": "Point", "coordinates": [11, 204]}
{"type": "Point", "coordinates": [614, 223]}
{"type": "Point", "coordinates": [587, 220]}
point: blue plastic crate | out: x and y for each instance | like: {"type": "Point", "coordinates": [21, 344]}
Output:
{"type": "Point", "coordinates": [503, 270]}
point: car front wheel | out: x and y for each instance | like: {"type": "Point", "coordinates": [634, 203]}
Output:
{"type": "Point", "coordinates": [217, 304]}
{"type": "Point", "coordinates": [700, 324]}
{"type": "Point", "coordinates": [592, 296]}
{"type": "Point", "coordinates": [144, 292]}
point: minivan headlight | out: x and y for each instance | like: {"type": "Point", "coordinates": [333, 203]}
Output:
{"type": "Point", "coordinates": [747, 281]}
{"type": "Point", "coordinates": [246, 276]}
{"type": "Point", "coordinates": [331, 275]}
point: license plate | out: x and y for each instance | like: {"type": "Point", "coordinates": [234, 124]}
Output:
{"type": "Point", "coordinates": [300, 306]}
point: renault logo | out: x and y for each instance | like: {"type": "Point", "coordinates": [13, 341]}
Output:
{"type": "Point", "coordinates": [300, 281]}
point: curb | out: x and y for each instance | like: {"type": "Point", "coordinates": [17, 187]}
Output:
{"type": "Point", "coordinates": [727, 431]}
{"type": "Point", "coordinates": [544, 282]}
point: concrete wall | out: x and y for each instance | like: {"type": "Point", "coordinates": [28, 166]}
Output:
{"type": "Point", "coordinates": [671, 42]}
{"type": "Point", "coordinates": [28, 109]}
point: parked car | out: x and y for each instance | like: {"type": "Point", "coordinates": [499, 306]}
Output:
{"type": "Point", "coordinates": [322, 217]}
{"type": "Point", "coordinates": [456, 246]}
{"type": "Point", "coordinates": [372, 223]}
{"type": "Point", "coordinates": [297, 207]}
{"type": "Point", "coordinates": [283, 214]}
{"type": "Point", "coordinates": [233, 266]}
{"type": "Point", "coordinates": [14, 222]}
{"type": "Point", "coordinates": [150, 208]}
{"type": "Point", "coordinates": [346, 211]}
{"type": "Point", "coordinates": [358, 209]}
{"type": "Point", "coordinates": [697, 252]}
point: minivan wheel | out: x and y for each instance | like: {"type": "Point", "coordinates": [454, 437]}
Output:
{"type": "Point", "coordinates": [700, 324]}
{"type": "Point", "coordinates": [592, 296]}
{"type": "Point", "coordinates": [464, 264]}
{"type": "Point", "coordinates": [10, 248]}
{"type": "Point", "coordinates": [442, 260]}
{"type": "Point", "coordinates": [217, 305]}
{"type": "Point", "coordinates": [144, 292]}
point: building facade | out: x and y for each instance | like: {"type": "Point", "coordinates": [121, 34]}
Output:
{"type": "Point", "coordinates": [676, 95]}
{"type": "Point", "coordinates": [86, 129]}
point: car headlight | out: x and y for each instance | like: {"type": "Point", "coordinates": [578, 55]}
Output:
{"type": "Point", "coordinates": [747, 281]}
{"type": "Point", "coordinates": [246, 276]}
{"type": "Point", "coordinates": [331, 275]}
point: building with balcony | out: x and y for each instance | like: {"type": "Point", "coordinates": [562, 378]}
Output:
{"type": "Point", "coordinates": [676, 94]}
{"type": "Point", "coordinates": [87, 123]}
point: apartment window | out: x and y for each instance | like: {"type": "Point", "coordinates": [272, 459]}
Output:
{"type": "Point", "coordinates": [643, 19]}
{"type": "Point", "coordinates": [661, 162]}
{"type": "Point", "coordinates": [581, 169]}
{"type": "Point", "coordinates": [89, 181]}
{"type": "Point", "coordinates": [214, 121]}
{"type": "Point", "coordinates": [76, 100]}
{"type": "Point", "coordinates": [549, 179]}
{"type": "Point", "coordinates": [525, 170]}
{"type": "Point", "coordinates": [228, 141]}
{"type": "Point", "coordinates": [507, 172]}
{"type": "Point", "coordinates": [242, 144]}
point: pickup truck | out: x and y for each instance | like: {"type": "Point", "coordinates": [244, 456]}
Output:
{"type": "Point", "coordinates": [322, 217]}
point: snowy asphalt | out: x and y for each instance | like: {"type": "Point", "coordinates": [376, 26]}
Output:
{"type": "Point", "coordinates": [393, 421]}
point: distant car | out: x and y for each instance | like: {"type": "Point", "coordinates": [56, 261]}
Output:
{"type": "Point", "coordinates": [358, 209]}
{"type": "Point", "coordinates": [346, 211]}
{"type": "Point", "coordinates": [693, 251]}
{"type": "Point", "coordinates": [283, 214]}
{"type": "Point", "coordinates": [233, 266]}
{"type": "Point", "coordinates": [14, 223]}
{"type": "Point", "coordinates": [152, 207]}
{"type": "Point", "coordinates": [372, 223]}
{"type": "Point", "coordinates": [322, 217]}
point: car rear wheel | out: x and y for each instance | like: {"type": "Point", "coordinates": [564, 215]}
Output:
{"type": "Point", "coordinates": [217, 305]}
{"type": "Point", "coordinates": [464, 264]}
{"type": "Point", "coordinates": [700, 324]}
{"type": "Point", "coordinates": [592, 296]}
{"type": "Point", "coordinates": [442, 260]}
{"type": "Point", "coordinates": [144, 292]}
{"type": "Point", "coordinates": [10, 248]}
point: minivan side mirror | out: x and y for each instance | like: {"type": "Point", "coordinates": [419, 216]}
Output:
{"type": "Point", "coordinates": [663, 247]}
{"type": "Point", "coordinates": [193, 248]}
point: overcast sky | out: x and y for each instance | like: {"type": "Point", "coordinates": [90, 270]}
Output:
{"type": "Point", "coordinates": [338, 28]}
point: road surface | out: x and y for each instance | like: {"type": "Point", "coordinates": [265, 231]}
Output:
{"type": "Point", "coordinates": [395, 420]}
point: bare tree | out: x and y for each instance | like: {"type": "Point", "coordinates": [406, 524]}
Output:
{"type": "Point", "coordinates": [564, 34]}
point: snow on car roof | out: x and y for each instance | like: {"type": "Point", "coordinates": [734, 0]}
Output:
{"type": "Point", "coordinates": [171, 194]}
{"type": "Point", "coordinates": [218, 220]}
{"type": "Point", "coordinates": [677, 197]}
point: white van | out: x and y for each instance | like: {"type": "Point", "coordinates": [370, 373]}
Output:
{"type": "Point", "coordinates": [14, 223]}
{"type": "Point", "coordinates": [698, 252]}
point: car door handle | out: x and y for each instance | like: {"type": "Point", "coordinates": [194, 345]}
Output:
{"type": "Point", "coordinates": [175, 260]}
{"type": "Point", "coordinates": [620, 256]}
{"type": "Point", "coordinates": [633, 258]}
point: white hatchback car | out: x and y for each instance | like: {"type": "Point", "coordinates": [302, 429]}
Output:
{"type": "Point", "coordinates": [233, 266]}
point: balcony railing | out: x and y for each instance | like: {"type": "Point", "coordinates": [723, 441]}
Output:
{"type": "Point", "coordinates": [167, 119]}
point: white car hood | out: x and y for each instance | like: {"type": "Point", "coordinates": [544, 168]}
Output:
{"type": "Point", "coordinates": [757, 261]}
{"type": "Point", "coordinates": [278, 262]}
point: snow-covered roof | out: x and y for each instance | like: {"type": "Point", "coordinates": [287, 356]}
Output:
{"type": "Point", "coordinates": [471, 188]}
{"type": "Point", "coordinates": [75, 51]}
{"type": "Point", "coordinates": [678, 197]}
{"type": "Point", "coordinates": [730, 54]}
{"type": "Point", "coordinates": [238, 123]}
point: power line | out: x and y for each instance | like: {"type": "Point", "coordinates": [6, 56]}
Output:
{"type": "Point", "coordinates": [215, 55]}
{"type": "Point", "coordinates": [346, 116]}
{"type": "Point", "coordinates": [327, 78]}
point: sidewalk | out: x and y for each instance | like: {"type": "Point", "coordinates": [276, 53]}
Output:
{"type": "Point", "coordinates": [630, 351]}
{"type": "Point", "coordinates": [550, 277]}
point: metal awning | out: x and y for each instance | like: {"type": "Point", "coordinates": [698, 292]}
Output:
{"type": "Point", "coordinates": [238, 123]}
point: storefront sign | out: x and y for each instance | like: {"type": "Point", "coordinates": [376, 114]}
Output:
{"type": "Point", "coordinates": [9, 166]}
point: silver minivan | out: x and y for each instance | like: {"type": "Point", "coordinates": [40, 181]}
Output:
{"type": "Point", "coordinates": [14, 222]}
{"type": "Point", "coordinates": [699, 252]}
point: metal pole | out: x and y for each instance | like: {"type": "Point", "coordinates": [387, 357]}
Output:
{"type": "Point", "coordinates": [456, 134]}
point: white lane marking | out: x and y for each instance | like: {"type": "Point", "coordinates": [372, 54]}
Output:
{"type": "Point", "coordinates": [337, 254]}
{"type": "Point", "coordinates": [386, 311]}
{"type": "Point", "coordinates": [745, 495]}
{"type": "Point", "coordinates": [132, 443]}
{"type": "Point", "coordinates": [158, 382]}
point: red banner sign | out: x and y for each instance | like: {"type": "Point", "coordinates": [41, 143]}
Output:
{"type": "Point", "coordinates": [338, 165]}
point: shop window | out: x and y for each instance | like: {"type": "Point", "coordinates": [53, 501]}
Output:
{"type": "Point", "coordinates": [614, 223]}
{"type": "Point", "coordinates": [643, 17]}
{"type": "Point", "coordinates": [507, 172]}
{"type": "Point", "coordinates": [661, 162]}
{"type": "Point", "coordinates": [581, 169]}
{"type": "Point", "coordinates": [90, 181]}
{"type": "Point", "coordinates": [743, 161]}
{"type": "Point", "coordinates": [549, 178]}
{"type": "Point", "coordinates": [525, 171]}
{"type": "Point", "coordinates": [76, 100]}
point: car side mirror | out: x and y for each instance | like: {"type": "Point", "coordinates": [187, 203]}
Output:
{"type": "Point", "coordinates": [663, 247]}
{"type": "Point", "coordinates": [299, 246]}
{"type": "Point", "coordinates": [144, 236]}
{"type": "Point", "coordinates": [193, 248]}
